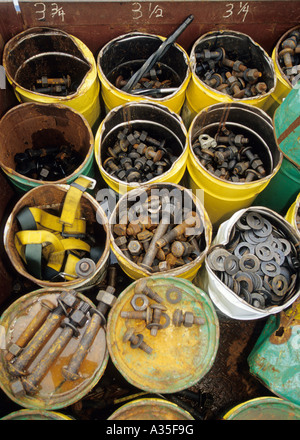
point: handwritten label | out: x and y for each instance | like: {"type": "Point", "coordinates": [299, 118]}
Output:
{"type": "Point", "coordinates": [42, 11]}
{"type": "Point", "coordinates": [242, 10]}
{"type": "Point", "coordinates": [147, 10]}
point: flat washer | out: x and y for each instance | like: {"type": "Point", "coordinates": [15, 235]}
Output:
{"type": "Point", "coordinates": [174, 299]}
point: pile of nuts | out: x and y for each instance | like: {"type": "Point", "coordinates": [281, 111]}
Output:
{"type": "Point", "coordinates": [228, 76]}
{"type": "Point", "coordinates": [152, 82]}
{"type": "Point", "coordinates": [154, 314]}
{"type": "Point", "coordinates": [260, 264]}
{"type": "Point", "coordinates": [289, 55]}
{"type": "Point", "coordinates": [228, 156]}
{"type": "Point", "coordinates": [153, 242]}
{"type": "Point", "coordinates": [138, 157]}
{"type": "Point", "coordinates": [53, 86]}
{"type": "Point", "coordinates": [49, 163]}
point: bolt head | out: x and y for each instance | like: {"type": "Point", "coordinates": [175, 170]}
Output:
{"type": "Point", "coordinates": [107, 297]}
{"type": "Point", "coordinates": [188, 319]}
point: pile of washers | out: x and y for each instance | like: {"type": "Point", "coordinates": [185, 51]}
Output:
{"type": "Point", "coordinates": [259, 263]}
{"type": "Point", "coordinates": [138, 157]}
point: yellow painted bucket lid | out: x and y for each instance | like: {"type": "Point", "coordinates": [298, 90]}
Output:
{"type": "Point", "coordinates": [150, 409]}
{"type": "Point", "coordinates": [180, 355]}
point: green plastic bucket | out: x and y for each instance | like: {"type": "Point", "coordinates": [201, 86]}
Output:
{"type": "Point", "coordinates": [284, 187]}
{"type": "Point", "coordinates": [264, 408]}
{"type": "Point", "coordinates": [36, 126]}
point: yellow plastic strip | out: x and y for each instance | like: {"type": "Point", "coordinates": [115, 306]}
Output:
{"type": "Point", "coordinates": [73, 197]}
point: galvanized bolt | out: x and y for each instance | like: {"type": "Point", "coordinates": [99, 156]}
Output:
{"type": "Point", "coordinates": [109, 162]}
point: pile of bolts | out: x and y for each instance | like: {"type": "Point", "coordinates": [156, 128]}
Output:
{"type": "Point", "coordinates": [48, 163]}
{"type": "Point", "coordinates": [152, 82]}
{"type": "Point", "coordinates": [228, 156]}
{"type": "Point", "coordinates": [228, 76]}
{"type": "Point", "coordinates": [157, 246]}
{"type": "Point", "coordinates": [260, 264]}
{"type": "Point", "coordinates": [148, 306]}
{"type": "Point", "coordinates": [138, 157]}
{"type": "Point", "coordinates": [53, 86]}
{"type": "Point", "coordinates": [289, 55]}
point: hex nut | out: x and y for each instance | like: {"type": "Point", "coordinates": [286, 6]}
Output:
{"type": "Point", "coordinates": [68, 298]}
{"type": "Point", "coordinates": [107, 296]}
{"type": "Point", "coordinates": [79, 318]}
{"type": "Point", "coordinates": [188, 319]}
{"type": "Point", "coordinates": [14, 349]}
{"type": "Point", "coordinates": [17, 388]}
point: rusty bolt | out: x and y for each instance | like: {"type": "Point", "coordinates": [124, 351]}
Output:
{"type": "Point", "coordinates": [181, 249]}
{"type": "Point", "coordinates": [109, 162]}
{"type": "Point", "coordinates": [255, 162]}
{"type": "Point", "coordinates": [135, 247]}
{"type": "Point", "coordinates": [251, 175]}
{"type": "Point", "coordinates": [155, 325]}
{"type": "Point", "coordinates": [136, 341]}
{"type": "Point", "coordinates": [176, 231]}
{"type": "Point", "coordinates": [145, 315]}
{"type": "Point", "coordinates": [187, 319]}
{"type": "Point", "coordinates": [286, 54]}
{"type": "Point", "coordinates": [142, 288]}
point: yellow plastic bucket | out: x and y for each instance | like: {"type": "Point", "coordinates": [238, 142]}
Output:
{"type": "Point", "coordinates": [50, 198]}
{"type": "Point", "coordinates": [283, 86]}
{"type": "Point", "coordinates": [50, 51]}
{"type": "Point", "coordinates": [181, 355]}
{"type": "Point", "coordinates": [292, 216]}
{"type": "Point", "coordinates": [150, 409]}
{"type": "Point", "coordinates": [200, 95]}
{"type": "Point", "coordinates": [160, 123]}
{"type": "Point", "coordinates": [136, 47]}
{"type": "Point", "coordinates": [222, 198]}
{"type": "Point", "coordinates": [53, 390]}
{"type": "Point", "coordinates": [264, 408]}
{"type": "Point", "coordinates": [30, 414]}
{"type": "Point", "coordinates": [36, 126]}
{"type": "Point", "coordinates": [134, 200]}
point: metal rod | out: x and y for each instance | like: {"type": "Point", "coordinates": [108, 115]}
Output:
{"type": "Point", "coordinates": [149, 63]}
